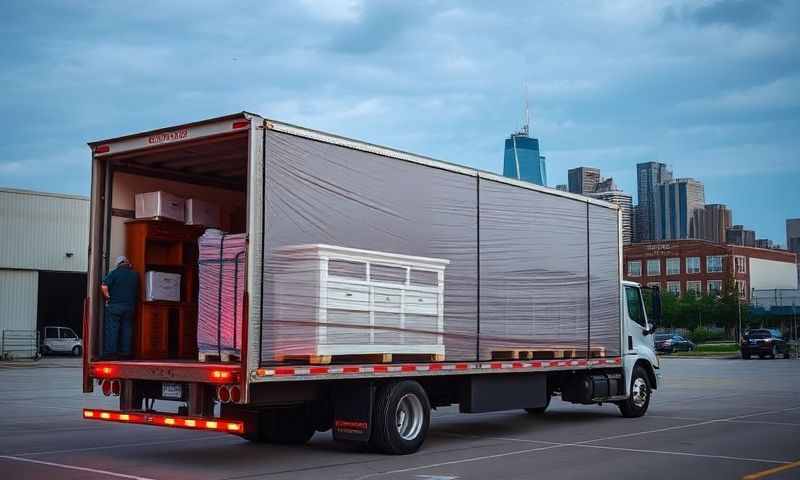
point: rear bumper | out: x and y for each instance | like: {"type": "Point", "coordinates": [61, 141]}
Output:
{"type": "Point", "coordinates": [199, 372]}
{"type": "Point", "coordinates": [236, 427]}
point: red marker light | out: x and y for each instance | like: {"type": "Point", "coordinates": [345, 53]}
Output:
{"type": "Point", "coordinates": [102, 149]}
{"type": "Point", "coordinates": [240, 124]}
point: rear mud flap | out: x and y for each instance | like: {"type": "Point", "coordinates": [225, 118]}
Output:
{"type": "Point", "coordinates": [352, 412]}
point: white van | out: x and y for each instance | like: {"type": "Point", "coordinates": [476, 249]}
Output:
{"type": "Point", "coordinates": [61, 340]}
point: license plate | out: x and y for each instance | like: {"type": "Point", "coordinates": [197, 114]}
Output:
{"type": "Point", "coordinates": [172, 390]}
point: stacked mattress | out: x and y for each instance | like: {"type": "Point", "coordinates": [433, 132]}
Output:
{"type": "Point", "coordinates": [222, 263]}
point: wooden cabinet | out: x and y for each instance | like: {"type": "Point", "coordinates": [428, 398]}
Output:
{"type": "Point", "coordinates": [165, 329]}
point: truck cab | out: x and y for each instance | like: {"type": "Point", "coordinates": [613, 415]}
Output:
{"type": "Point", "coordinates": [639, 349]}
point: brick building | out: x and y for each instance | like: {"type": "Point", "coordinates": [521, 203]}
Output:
{"type": "Point", "coordinates": [678, 266]}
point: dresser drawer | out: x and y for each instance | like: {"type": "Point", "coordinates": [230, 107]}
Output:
{"type": "Point", "coordinates": [387, 299]}
{"type": "Point", "coordinates": [422, 303]}
{"type": "Point", "coordinates": [347, 296]}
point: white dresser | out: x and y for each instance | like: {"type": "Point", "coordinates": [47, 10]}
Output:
{"type": "Point", "coordinates": [330, 300]}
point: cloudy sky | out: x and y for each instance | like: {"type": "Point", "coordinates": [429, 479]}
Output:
{"type": "Point", "coordinates": [711, 88]}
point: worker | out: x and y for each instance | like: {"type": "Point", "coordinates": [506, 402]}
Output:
{"type": "Point", "coordinates": [120, 289]}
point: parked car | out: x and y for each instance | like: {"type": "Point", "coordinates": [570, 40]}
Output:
{"type": "Point", "coordinates": [61, 340]}
{"type": "Point", "coordinates": [669, 343]}
{"type": "Point", "coordinates": [764, 343]}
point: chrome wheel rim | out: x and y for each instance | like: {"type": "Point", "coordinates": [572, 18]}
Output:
{"type": "Point", "coordinates": [639, 392]}
{"type": "Point", "coordinates": [408, 416]}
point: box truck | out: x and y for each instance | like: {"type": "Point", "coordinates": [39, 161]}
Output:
{"type": "Point", "coordinates": [371, 285]}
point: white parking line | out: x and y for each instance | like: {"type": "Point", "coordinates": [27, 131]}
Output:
{"type": "Point", "coordinates": [124, 445]}
{"type": "Point", "coordinates": [74, 467]}
{"type": "Point", "coordinates": [586, 444]}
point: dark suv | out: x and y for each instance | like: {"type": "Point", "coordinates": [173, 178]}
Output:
{"type": "Point", "coordinates": [764, 343]}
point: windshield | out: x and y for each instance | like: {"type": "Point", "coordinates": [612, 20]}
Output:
{"type": "Point", "coordinates": [661, 336]}
{"type": "Point", "coordinates": [758, 335]}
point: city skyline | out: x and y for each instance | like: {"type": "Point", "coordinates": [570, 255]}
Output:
{"type": "Point", "coordinates": [710, 89]}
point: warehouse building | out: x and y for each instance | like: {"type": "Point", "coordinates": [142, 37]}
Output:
{"type": "Point", "coordinates": [701, 266]}
{"type": "Point", "coordinates": [44, 238]}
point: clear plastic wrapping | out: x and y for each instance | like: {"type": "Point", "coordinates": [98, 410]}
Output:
{"type": "Point", "coordinates": [222, 278]}
{"type": "Point", "coordinates": [367, 256]}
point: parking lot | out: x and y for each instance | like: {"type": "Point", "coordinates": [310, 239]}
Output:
{"type": "Point", "coordinates": [712, 419]}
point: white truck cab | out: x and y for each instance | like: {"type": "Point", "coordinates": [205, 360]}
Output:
{"type": "Point", "coordinates": [640, 361]}
{"type": "Point", "coordinates": [61, 340]}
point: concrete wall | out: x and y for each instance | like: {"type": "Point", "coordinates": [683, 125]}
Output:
{"type": "Point", "coordinates": [770, 274]}
{"type": "Point", "coordinates": [38, 230]}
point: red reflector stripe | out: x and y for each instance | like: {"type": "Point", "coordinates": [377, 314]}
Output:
{"type": "Point", "coordinates": [232, 426]}
{"type": "Point", "coordinates": [240, 124]}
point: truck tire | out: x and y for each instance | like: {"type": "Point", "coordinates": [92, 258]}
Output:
{"type": "Point", "coordinates": [401, 418]}
{"type": "Point", "coordinates": [285, 426]}
{"type": "Point", "coordinates": [540, 410]}
{"type": "Point", "coordinates": [745, 356]}
{"type": "Point", "coordinates": [639, 398]}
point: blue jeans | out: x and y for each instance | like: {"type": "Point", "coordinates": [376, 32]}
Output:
{"type": "Point", "coordinates": [117, 329]}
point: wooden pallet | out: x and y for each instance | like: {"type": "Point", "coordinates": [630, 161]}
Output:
{"type": "Point", "coordinates": [547, 353]}
{"type": "Point", "coordinates": [361, 358]}
{"type": "Point", "coordinates": [214, 357]}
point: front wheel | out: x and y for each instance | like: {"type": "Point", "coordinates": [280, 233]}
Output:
{"type": "Point", "coordinates": [639, 398]}
{"type": "Point", "coordinates": [401, 418]}
{"type": "Point", "coordinates": [77, 350]}
{"type": "Point", "coordinates": [745, 356]}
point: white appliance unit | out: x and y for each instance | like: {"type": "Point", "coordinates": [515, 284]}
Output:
{"type": "Point", "coordinates": [359, 301]}
{"type": "Point", "coordinates": [163, 286]}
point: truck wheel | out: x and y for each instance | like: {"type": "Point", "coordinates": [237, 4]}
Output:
{"type": "Point", "coordinates": [774, 353]}
{"type": "Point", "coordinates": [401, 418]}
{"type": "Point", "coordinates": [745, 356]}
{"type": "Point", "coordinates": [77, 350]}
{"type": "Point", "coordinates": [639, 399]}
{"type": "Point", "coordinates": [540, 410]}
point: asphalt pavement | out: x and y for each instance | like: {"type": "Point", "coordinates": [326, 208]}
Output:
{"type": "Point", "coordinates": [712, 419]}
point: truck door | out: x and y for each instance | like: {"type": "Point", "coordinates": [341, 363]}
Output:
{"type": "Point", "coordinates": [636, 324]}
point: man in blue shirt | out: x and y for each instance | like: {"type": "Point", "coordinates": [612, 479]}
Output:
{"type": "Point", "coordinates": [121, 290]}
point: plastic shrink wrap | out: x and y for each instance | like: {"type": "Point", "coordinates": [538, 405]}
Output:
{"type": "Point", "coordinates": [363, 252]}
{"type": "Point", "coordinates": [222, 261]}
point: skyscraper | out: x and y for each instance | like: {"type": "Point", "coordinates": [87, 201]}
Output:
{"type": "Point", "coordinates": [648, 176]}
{"type": "Point", "coordinates": [583, 180]}
{"type": "Point", "coordinates": [625, 202]}
{"type": "Point", "coordinates": [676, 202]}
{"type": "Point", "coordinates": [738, 235]}
{"type": "Point", "coordinates": [522, 159]}
{"type": "Point", "coordinates": [712, 222]}
{"type": "Point", "coordinates": [793, 235]}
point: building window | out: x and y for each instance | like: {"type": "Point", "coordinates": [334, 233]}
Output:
{"type": "Point", "coordinates": [741, 287]}
{"type": "Point", "coordinates": [635, 269]}
{"type": "Point", "coordinates": [740, 264]}
{"type": "Point", "coordinates": [714, 263]}
{"type": "Point", "coordinates": [694, 287]}
{"type": "Point", "coordinates": [674, 288]}
{"type": "Point", "coordinates": [654, 267]}
{"type": "Point", "coordinates": [714, 287]}
{"type": "Point", "coordinates": [673, 266]}
{"type": "Point", "coordinates": [692, 264]}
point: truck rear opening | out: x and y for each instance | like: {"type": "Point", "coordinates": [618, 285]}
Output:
{"type": "Point", "coordinates": [371, 286]}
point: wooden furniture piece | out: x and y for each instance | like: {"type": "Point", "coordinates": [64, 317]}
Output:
{"type": "Point", "coordinates": [360, 302]}
{"type": "Point", "coordinates": [165, 329]}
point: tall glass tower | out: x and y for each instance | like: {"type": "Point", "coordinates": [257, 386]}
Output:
{"type": "Point", "coordinates": [522, 159]}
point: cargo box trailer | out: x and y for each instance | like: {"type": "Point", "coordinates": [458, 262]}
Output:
{"type": "Point", "coordinates": [377, 285]}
